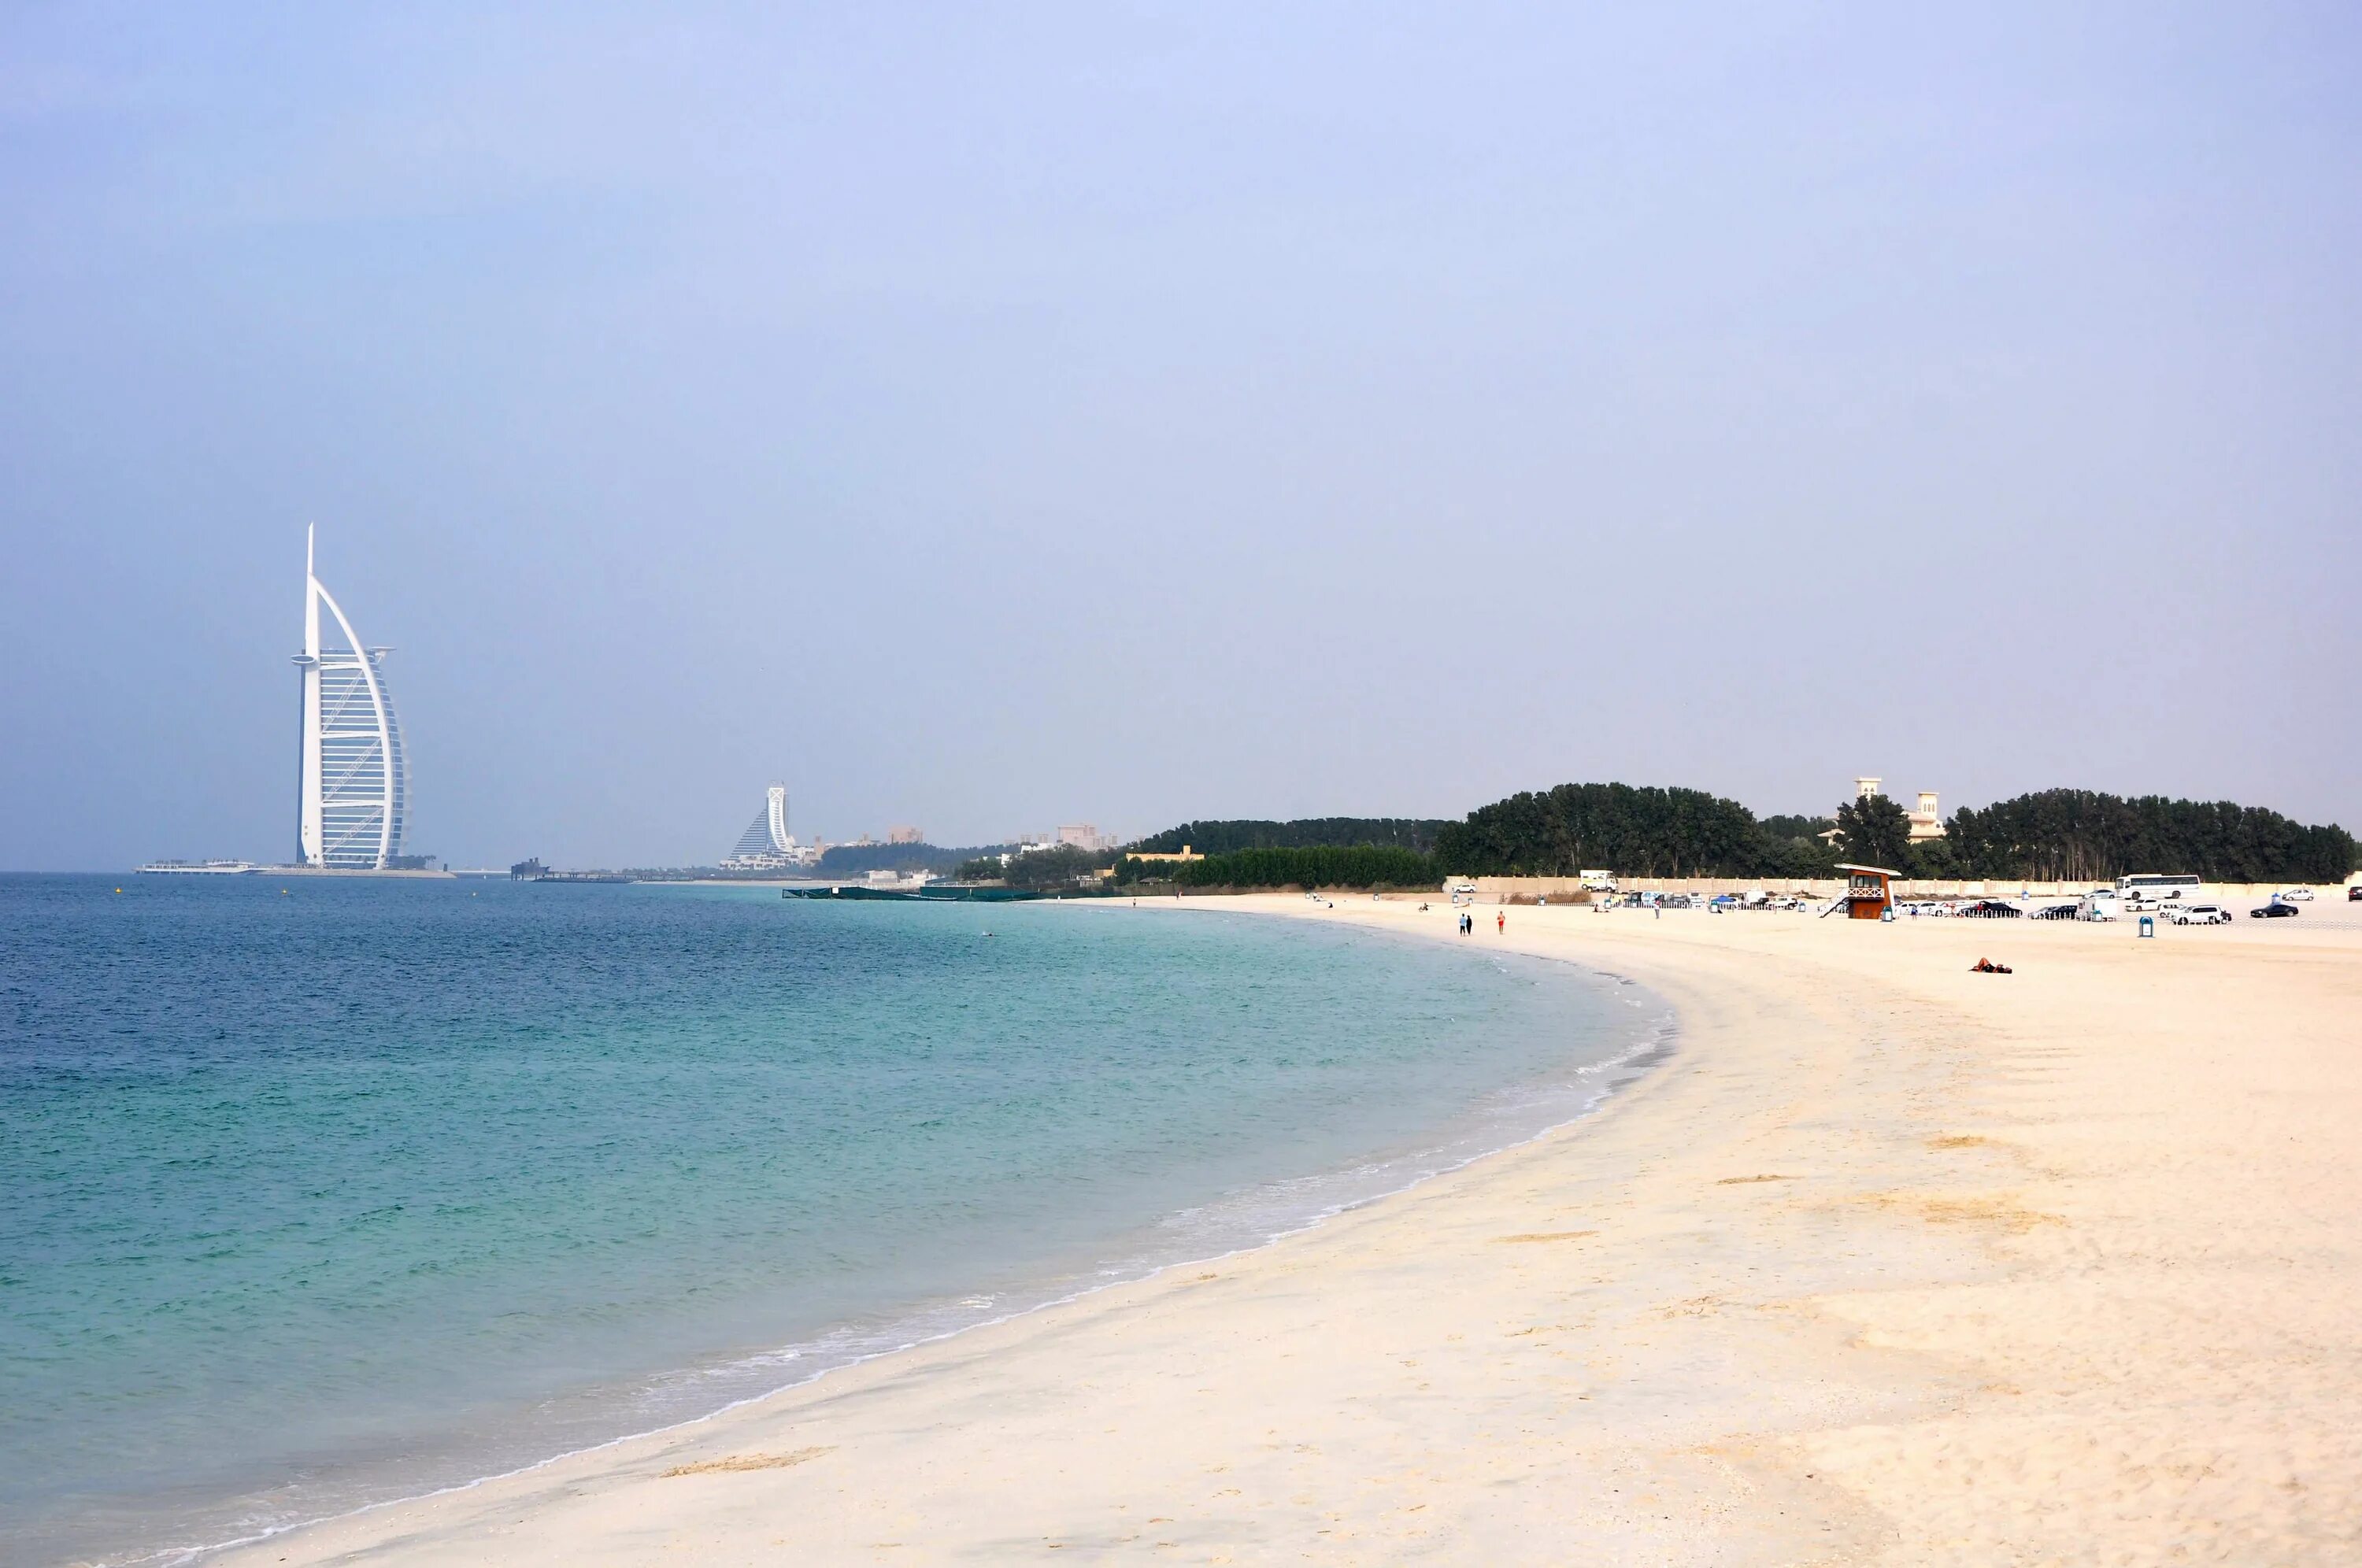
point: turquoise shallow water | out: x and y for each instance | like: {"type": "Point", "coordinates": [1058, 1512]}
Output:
{"type": "Point", "coordinates": [366, 1188]}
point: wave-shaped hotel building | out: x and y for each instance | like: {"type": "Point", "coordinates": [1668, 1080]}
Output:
{"type": "Point", "coordinates": [353, 782]}
{"type": "Point", "coordinates": [766, 844]}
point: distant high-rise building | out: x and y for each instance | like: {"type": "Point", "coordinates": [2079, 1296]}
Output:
{"type": "Point", "coordinates": [766, 844]}
{"type": "Point", "coordinates": [352, 790]}
{"type": "Point", "coordinates": [766, 836]}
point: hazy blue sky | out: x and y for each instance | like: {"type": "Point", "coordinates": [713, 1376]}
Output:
{"type": "Point", "coordinates": [984, 417]}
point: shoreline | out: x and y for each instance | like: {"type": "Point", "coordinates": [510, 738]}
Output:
{"type": "Point", "coordinates": [1620, 1051]}
{"type": "Point", "coordinates": [1639, 1064]}
{"type": "Point", "coordinates": [1862, 1344]}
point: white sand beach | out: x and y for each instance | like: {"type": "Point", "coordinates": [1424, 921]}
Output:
{"type": "Point", "coordinates": [1891, 1263]}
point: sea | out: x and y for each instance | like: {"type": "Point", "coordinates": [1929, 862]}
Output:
{"type": "Point", "coordinates": [320, 1192]}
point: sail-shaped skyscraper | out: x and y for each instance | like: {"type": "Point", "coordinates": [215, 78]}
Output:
{"type": "Point", "coordinates": [352, 795]}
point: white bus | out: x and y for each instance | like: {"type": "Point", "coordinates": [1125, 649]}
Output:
{"type": "Point", "coordinates": [2155, 889]}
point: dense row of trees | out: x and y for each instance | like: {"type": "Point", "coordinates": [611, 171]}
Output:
{"type": "Point", "coordinates": [1062, 866]}
{"type": "Point", "coordinates": [2082, 835]}
{"type": "Point", "coordinates": [2054, 835]}
{"type": "Point", "coordinates": [1222, 837]}
{"type": "Point", "coordinates": [1307, 866]}
{"type": "Point", "coordinates": [1634, 832]}
{"type": "Point", "coordinates": [860, 859]}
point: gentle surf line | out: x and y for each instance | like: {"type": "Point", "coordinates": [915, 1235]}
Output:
{"type": "Point", "coordinates": [1643, 1057]}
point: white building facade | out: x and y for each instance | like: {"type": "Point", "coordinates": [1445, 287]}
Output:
{"type": "Point", "coordinates": [766, 844]}
{"type": "Point", "coordinates": [352, 796]}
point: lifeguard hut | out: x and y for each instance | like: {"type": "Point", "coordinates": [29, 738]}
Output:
{"type": "Point", "coordinates": [1870, 891]}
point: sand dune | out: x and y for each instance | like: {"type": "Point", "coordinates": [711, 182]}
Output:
{"type": "Point", "coordinates": [1892, 1263]}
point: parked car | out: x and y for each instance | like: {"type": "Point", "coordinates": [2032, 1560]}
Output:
{"type": "Point", "coordinates": [1673, 901]}
{"type": "Point", "coordinates": [2295, 895]}
{"type": "Point", "coordinates": [2273, 911]}
{"type": "Point", "coordinates": [2354, 894]}
{"type": "Point", "coordinates": [1991, 909]}
{"type": "Point", "coordinates": [2202, 914]}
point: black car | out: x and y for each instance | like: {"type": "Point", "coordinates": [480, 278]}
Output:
{"type": "Point", "coordinates": [2055, 911]}
{"type": "Point", "coordinates": [2274, 911]}
{"type": "Point", "coordinates": [2354, 894]}
{"type": "Point", "coordinates": [1992, 909]}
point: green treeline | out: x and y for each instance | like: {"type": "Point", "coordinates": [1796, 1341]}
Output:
{"type": "Point", "coordinates": [1633, 832]}
{"type": "Point", "coordinates": [1060, 866]}
{"type": "Point", "coordinates": [1307, 866]}
{"type": "Point", "coordinates": [2053, 836]}
{"type": "Point", "coordinates": [1222, 837]}
{"type": "Point", "coordinates": [2080, 835]}
{"type": "Point", "coordinates": [859, 859]}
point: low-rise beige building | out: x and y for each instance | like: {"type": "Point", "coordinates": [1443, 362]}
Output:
{"type": "Point", "coordinates": [1925, 823]}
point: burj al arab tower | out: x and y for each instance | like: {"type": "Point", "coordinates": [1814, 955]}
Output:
{"type": "Point", "coordinates": [352, 779]}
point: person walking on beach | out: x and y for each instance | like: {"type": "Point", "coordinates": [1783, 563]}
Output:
{"type": "Point", "coordinates": [1501, 921]}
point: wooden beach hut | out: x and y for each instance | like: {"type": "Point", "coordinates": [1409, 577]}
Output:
{"type": "Point", "coordinates": [1870, 890]}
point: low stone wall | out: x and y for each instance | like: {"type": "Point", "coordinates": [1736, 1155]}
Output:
{"type": "Point", "coordinates": [1568, 888]}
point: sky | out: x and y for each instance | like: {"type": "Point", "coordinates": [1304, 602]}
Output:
{"type": "Point", "coordinates": [988, 417]}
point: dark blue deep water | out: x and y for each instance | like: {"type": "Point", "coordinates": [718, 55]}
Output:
{"type": "Point", "coordinates": [316, 1197]}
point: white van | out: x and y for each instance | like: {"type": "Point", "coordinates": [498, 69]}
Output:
{"type": "Point", "coordinates": [1597, 882]}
